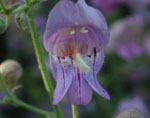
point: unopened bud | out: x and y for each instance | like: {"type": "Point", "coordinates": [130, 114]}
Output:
{"type": "Point", "coordinates": [130, 113]}
{"type": "Point", "coordinates": [11, 72]}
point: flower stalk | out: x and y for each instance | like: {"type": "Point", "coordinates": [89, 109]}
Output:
{"type": "Point", "coordinates": [74, 111]}
{"type": "Point", "coordinates": [11, 99]}
{"type": "Point", "coordinates": [20, 103]}
{"type": "Point", "coordinates": [40, 58]}
{"type": "Point", "coordinates": [5, 88]}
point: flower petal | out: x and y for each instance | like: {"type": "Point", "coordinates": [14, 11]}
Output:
{"type": "Point", "coordinates": [63, 79]}
{"type": "Point", "coordinates": [92, 79]}
{"type": "Point", "coordinates": [129, 50]}
{"type": "Point", "coordinates": [93, 17]}
{"type": "Point", "coordinates": [99, 61]}
{"type": "Point", "coordinates": [64, 14]}
{"type": "Point", "coordinates": [67, 14]}
{"type": "Point", "coordinates": [80, 92]}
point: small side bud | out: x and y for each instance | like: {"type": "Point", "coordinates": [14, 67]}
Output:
{"type": "Point", "coordinates": [130, 113]}
{"type": "Point", "coordinates": [11, 71]}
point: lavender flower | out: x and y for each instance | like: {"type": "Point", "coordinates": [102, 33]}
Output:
{"type": "Point", "coordinates": [130, 113]}
{"type": "Point", "coordinates": [147, 44]}
{"type": "Point", "coordinates": [40, 24]}
{"type": "Point", "coordinates": [39, 21]}
{"type": "Point", "coordinates": [134, 103]}
{"type": "Point", "coordinates": [128, 50]}
{"type": "Point", "coordinates": [126, 37]}
{"type": "Point", "coordinates": [107, 5]}
{"type": "Point", "coordinates": [75, 37]}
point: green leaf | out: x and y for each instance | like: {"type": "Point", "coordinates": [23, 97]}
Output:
{"type": "Point", "coordinates": [13, 7]}
{"type": "Point", "coordinates": [3, 26]}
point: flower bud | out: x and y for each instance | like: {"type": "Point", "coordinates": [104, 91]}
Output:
{"type": "Point", "coordinates": [11, 71]}
{"type": "Point", "coordinates": [130, 113]}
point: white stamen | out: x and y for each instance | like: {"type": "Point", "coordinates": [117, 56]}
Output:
{"type": "Point", "coordinates": [80, 62]}
{"type": "Point", "coordinates": [83, 30]}
{"type": "Point", "coordinates": [72, 32]}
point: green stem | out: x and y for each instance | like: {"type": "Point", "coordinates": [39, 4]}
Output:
{"type": "Point", "coordinates": [74, 111]}
{"type": "Point", "coordinates": [39, 51]}
{"type": "Point", "coordinates": [7, 20]}
{"type": "Point", "coordinates": [2, 102]}
{"type": "Point", "coordinates": [11, 99]}
{"type": "Point", "coordinates": [2, 5]}
{"type": "Point", "coordinates": [4, 86]}
{"type": "Point", "coordinates": [20, 103]}
{"type": "Point", "coordinates": [40, 58]}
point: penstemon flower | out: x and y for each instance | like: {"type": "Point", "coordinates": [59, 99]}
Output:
{"type": "Point", "coordinates": [133, 103]}
{"type": "Point", "coordinates": [75, 37]}
{"type": "Point", "coordinates": [147, 44]}
{"type": "Point", "coordinates": [128, 46]}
